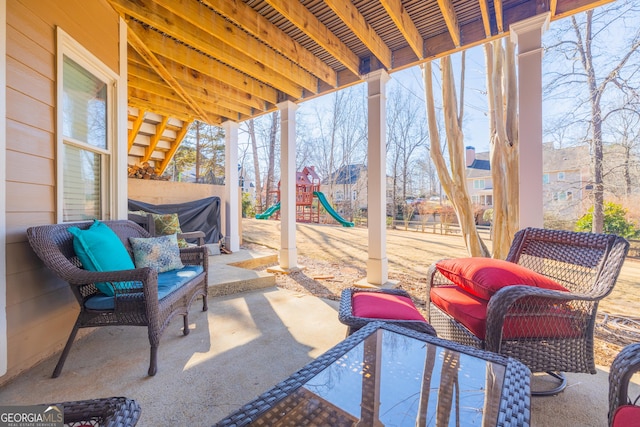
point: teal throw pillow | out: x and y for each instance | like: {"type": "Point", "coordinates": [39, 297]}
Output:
{"type": "Point", "coordinates": [100, 249]}
{"type": "Point", "coordinates": [159, 253]}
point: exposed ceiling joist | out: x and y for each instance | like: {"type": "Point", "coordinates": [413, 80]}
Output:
{"type": "Point", "coordinates": [169, 51]}
{"type": "Point", "coordinates": [258, 26]}
{"type": "Point", "coordinates": [406, 26]}
{"type": "Point", "coordinates": [353, 19]}
{"type": "Point", "coordinates": [497, 5]}
{"type": "Point", "coordinates": [144, 78]}
{"type": "Point", "coordinates": [486, 18]}
{"type": "Point", "coordinates": [451, 19]}
{"type": "Point", "coordinates": [306, 22]}
{"type": "Point", "coordinates": [151, 59]}
{"type": "Point", "coordinates": [198, 27]}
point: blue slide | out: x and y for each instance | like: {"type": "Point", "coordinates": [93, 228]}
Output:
{"type": "Point", "coordinates": [325, 204]}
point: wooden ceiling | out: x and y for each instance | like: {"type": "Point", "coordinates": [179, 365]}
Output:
{"type": "Point", "coordinates": [218, 60]}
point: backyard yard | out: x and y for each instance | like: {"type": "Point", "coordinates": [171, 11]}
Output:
{"type": "Point", "coordinates": [335, 257]}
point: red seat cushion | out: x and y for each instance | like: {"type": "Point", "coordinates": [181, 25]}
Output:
{"type": "Point", "coordinates": [626, 416]}
{"type": "Point", "coordinates": [483, 277]}
{"type": "Point", "coordinates": [554, 321]}
{"type": "Point", "coordinates": [380, 305]}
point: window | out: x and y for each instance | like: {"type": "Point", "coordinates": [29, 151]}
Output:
{"type": "Point", "coordinates": [478, 183]}
{"type": "Point", "coordinates": [562, 196]}
{"type": "Point", "coordinates": [545, 178]}
{"type": "Point", "coordinates": [339, 196]}
{"type": "Point", "coordinates": [86, 127]}
{"type": "Point", "coordinates": [560, 176]}
{"type": "Point", "coordinates": [569, 195]}
{"type": "Point", "coordinates": [354, 195]}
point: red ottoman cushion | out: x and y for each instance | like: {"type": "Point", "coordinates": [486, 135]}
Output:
{"type": "Point", "coordinates": [379, 305]}
{"type": "Point", "coordinates": [483, 277]}
{"type": "Point", "coordinates": [626, 416]}
{"type": "Point", "coordinates": [471, 311]}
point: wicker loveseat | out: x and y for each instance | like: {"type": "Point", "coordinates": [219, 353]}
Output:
{"type": "Point", "coordinates": [548, 329]}
{"type": "Point", "coordinates": [104, 412]}
{"type": "Point", "coordinates": [149, 299]}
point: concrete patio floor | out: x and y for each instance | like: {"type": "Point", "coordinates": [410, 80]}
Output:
{"type": "Point", "coordinates": [245, 344]}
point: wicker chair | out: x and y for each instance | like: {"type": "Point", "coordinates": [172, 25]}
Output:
{"type": "Point", "coordinates": [626, 363]}
{"type": "Point", "coordinates": [548, 330]}
{"type": "Point", "coordinates": [107, 412]}
{"type": "Point", "coordinates": [138, 305]}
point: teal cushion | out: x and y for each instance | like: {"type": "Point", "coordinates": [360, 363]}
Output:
{"type": "Point", "coordinates": [100, 249]}
{"type": "Point", "coordinates": [159, 253]}
{"type": "Point", "coordinates": [167, 283]}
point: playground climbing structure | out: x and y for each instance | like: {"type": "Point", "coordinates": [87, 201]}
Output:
{"type": "Point", "coordinates": [309, 198]}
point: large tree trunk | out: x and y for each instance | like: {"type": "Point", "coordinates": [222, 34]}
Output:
{"type": "Point", "coordinates": [454, 185]}
{"type": "Point", "coordinates": [503, 127]}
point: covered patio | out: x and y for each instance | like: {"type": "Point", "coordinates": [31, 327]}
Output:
{"type": "Point", "coordinates": [223, 62]}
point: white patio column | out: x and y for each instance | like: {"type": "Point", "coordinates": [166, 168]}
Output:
{"type": "Point", "coordinates": [377, 263]}
{"type": "Point", "coordinates": [288, 251]}
{"type": "Point", "coordinates": [527, 35]}
{"type": "Point", "coordinates": [231, 192]}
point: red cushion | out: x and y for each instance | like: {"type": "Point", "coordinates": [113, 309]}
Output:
{"type": "Point", "coordinates": [379, 305]}
{"type": "Point", "coordinates": [626, 416]}
{"type": "Point", "coordinates": [553, 321]}
{"type": "Point", "coordinates": [483, 277]}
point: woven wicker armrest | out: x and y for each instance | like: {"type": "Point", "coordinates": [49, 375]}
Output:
{"type": "Point", "coordinates": [193, 235]}
{"type": "Point", "coordinates": [107, 412]}
{"type": "Point", "coordinates": [435, 278]}
{"type": "Point", "coordinates": [626, 363]}
{"type": "Point", "coordinates": [195, 255]}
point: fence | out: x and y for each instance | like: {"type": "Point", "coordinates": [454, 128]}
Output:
{"type": "Point", "coordinates": [427, 227]}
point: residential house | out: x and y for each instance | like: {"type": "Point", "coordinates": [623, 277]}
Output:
{"type": "Point", "coordinates": [565, 180]}
{"type": "Point", "coordinates": [347, 190]}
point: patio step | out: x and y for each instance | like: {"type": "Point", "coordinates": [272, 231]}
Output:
{"type": "Point", "coordinates": [233, 273]}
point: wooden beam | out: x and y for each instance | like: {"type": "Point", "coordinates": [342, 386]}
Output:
{"type": "Point", "coordinates": [153, 141]}
{"type": "Point", "coordinates": [405, 25]}
{"type": "Point", "coordinates": [211, 103]}
{"type": "Point", "coordinates": [451, 19]}
{"type": "Point", "coordinates": [166, 92]}
{"type": "Point", "coordinates": [166, 106]}
{"type": "Point", "coordinates": [198, 27]}
{"type": "Point", "coordinates": [553, 6]}
{"type": "Point", "coordinates": [168, 51]}
{"type": "Point", "coordinates": [205, 84]}
{"type": "Point", "coordinates": [497, 5]}
{"type": "Point", "coordinates": [486, 18]}
{"type": "Point", "coordinates": [566, 8]}
{"type": "Point", "coordinates": [236, 44]}
{"type": "Point", "coordinates": [306, 22]}
{"type": "Point", "coordinates": [353, 19]}
{"type": "Point", "coordinates": [261, 28]}
{"type": "Point", "coordinates": [174, 147]}
{"type": "Point", "coordinates": [135, 128]}
{"type": "Point", "coordinates": [148, 55]}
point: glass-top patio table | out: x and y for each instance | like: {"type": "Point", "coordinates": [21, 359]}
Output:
{"type": "Point", "coordinates": [385, 375]}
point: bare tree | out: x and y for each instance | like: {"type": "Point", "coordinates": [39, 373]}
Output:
{"type": "Point", "coordinates": [503, 126]}
{"type": "Point", "coordinates": [251, 129]}
{"type": "Point", "coordinates": [593, 63]}
{"type": "Point", "coordinates": [454, 183]}
{"type": "Point", "coordinates": [406, 132]}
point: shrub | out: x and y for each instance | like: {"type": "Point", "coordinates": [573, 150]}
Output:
{"type": "Point", "coordinates": [248, 209]}
{"type": "Point", "coordinates": [615, 221]}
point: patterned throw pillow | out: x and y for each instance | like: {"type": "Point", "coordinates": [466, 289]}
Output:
{"type": "Point", "coordinates": [168, 224]}
{"type": "Point", "coordinates": [159, 253]}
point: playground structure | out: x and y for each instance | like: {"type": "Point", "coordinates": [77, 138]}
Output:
{"type": "Point", "coordinates": [307, 190]}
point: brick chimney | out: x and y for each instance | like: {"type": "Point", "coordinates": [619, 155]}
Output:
{"type": "Point", "coordinates": [470, 155]}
